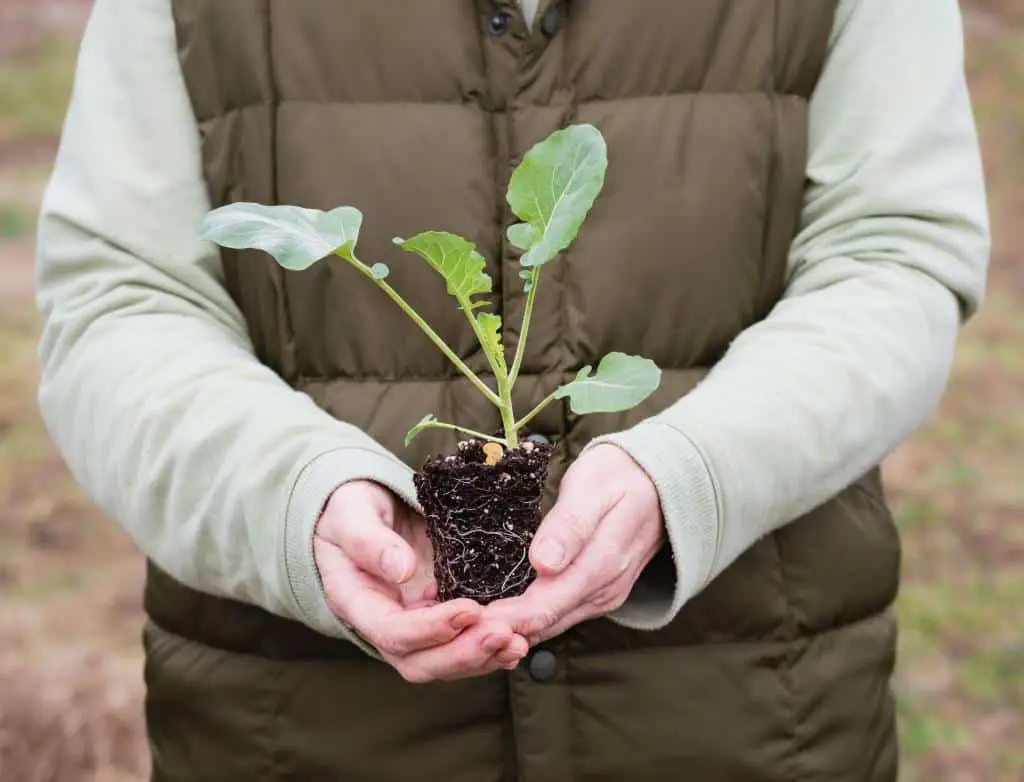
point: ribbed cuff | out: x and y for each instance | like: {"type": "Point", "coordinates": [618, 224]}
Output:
{"type": "Point", "coordinates": [314, 486]}
{"type": "Point", "coordinates": [689, 504]}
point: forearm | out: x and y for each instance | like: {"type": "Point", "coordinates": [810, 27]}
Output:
{"type": "Point", "coordinates": [150, 386]}
{"type": "Point", "coordinates": [210, 462]}
{"type": "Point", "coordinates": [890, 259]}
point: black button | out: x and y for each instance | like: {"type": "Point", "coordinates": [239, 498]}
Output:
{"type": "Point", "coordinates": [499, 23]}
{"type": "Point", "coordinates": [549, 24]}
{"type": "Point", "coordinates": [543, 665]}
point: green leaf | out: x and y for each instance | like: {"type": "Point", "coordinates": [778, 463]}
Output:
{"type": "Point", "coordinates": [425, 423]}
{"type": "Point", "coordinates": [462, 267]}
{"type": "Point", "coordinates": [620, 383]}
{"type": "Point", "coordinates": [455, 259]}
{"type": "Point", "coordinates": [296, 237]}
{"type": "Point", "coordinates": [553, 189]}
{"type": "Point", "coordinates": [490, 324]}
{"type": "Point", "coordinates": [523, 235]}
{"type": "Point", "coordinates": [380, 271]}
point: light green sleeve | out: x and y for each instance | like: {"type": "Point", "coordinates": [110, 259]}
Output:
{"type": "Point", "coordinates": [890, 259]}
{"type": "Point", "coordinates": [150, 387]}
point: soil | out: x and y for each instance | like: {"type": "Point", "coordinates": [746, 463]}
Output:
{"type": "Point", "coordinates": [481, 518]}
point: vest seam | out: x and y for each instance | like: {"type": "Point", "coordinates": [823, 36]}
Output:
{"type": "Point", "coordinates": [715, 35]}
{"type": "Point", "coordinates": [473, 104]}
{"type": "Point", "coordinates": [277, 753]}
{"type": "Point", "coordinates": [304, 379]}
{"type": "Point", "coordinates": [785, 669]}
{"type": "Point", "coordinates": [767, 261]}
{"type": "Point", "coordinates": [511, 721]}
{"type": "Point", "coordinates": [570, 110]}
{"type": "Point", "coordinates": [577, 744]}
{"type": "Point", "coordinates": [287, 344]}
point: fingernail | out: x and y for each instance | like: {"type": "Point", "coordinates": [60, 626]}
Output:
{"type": "Point", "coordinates": [391, 564]}
{"type": "Point", "coordinates": [551, 554]}
{"type": "Point", "coordinates": [462, 620]}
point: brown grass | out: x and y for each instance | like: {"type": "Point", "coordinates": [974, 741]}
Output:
{"type": "Point", "coordinates": [70, 667]}
{"type": "Point", "coordinates": [71, 719]}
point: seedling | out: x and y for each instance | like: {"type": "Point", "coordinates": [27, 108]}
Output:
{"type": "Point", "coordinates": [551, 192]}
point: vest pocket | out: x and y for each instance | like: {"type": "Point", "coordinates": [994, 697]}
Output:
{"type": "Point", "coordinates": [211, 715]}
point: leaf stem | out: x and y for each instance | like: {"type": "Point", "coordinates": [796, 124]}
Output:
{"type": "Point", "coordinates": [464, 430]}
{"type": "Point", "coordinates": [525, 329]}
{"type": "Point", "coordinates": [496, 364]}
{"type": "Point", "coordinates": [533, 413]}
{"type": "Point", "coordinates": [433, 335]}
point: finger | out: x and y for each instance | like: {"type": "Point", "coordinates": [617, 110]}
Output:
{"type": "Point", "coordinates": [400, 631]}
{"type": "Point", "coordinates": [482, 649]}
{"type": "Point", "coordinates": [617, 552]}
{"type": "Point", "coordinates": [361, 531]}
{"type": "Point", "coordinates": [544, 603]}
{"type": "Point", "coordinates": [592, 581]}
{"type": "Point", "coordinates": [379, 617]}
{"type": "Point", "coordinates": [567, 528]}
{"type": "Point", "coordinates": [567, 622]}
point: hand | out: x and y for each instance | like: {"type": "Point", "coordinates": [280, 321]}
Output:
{"type": "Point", "coordinates": [376, 564]}
{"type": "Point", "coordinates": [604, 529]}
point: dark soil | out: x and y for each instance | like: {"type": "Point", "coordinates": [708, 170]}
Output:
{"type": "Point", "coordinates": [481, 519]}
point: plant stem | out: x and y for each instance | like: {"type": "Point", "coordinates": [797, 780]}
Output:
{"type": "Point", "coordinates": [527, 314]}
{"type": "Point", "coordinates": [435, 338]}
{"type": "Point", "coordinates": [530, 416]}
{"type": "Point", "coordinates": [508, 417]}
{"type": "Point", "coordinates": [464, 430]}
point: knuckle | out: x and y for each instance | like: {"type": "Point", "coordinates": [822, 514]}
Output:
{"type": "Point", "coordinates": [541, 622]}
{"type": "Point", "coordinates": [574, 527]}
{"type": "Point", "coordinates": [612, 565]}
{"type": "Point", "coordinates": [608, 598]}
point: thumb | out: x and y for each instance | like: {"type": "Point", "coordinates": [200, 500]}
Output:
{"type": "Point", "coordinates": [568, 527]}
{"type": "Point", "coordinates": [359, 520]}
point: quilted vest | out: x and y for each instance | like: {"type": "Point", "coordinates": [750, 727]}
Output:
{"type": "Point", "coordinates": [416, 113]}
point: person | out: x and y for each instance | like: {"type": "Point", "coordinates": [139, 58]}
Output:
{"type": "Point", "coordinates": [793, 227]}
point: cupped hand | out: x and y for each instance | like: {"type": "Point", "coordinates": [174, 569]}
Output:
{"type": "Point", "coordinates": [376, 565]}
{"type": "Point", "coordinates": [589, 551]}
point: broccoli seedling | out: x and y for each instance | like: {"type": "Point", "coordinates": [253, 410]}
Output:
{"type": "Point", "coordinates": [551, 192]}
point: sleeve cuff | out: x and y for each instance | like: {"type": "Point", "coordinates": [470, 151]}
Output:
{"type": "Point", "coordinates": [314, 486]}
{"type": "Point", "coordinates": [689, 504]}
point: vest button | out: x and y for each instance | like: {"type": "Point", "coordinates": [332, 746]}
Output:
{"type": "Point", "coordinates": [499, 23]}
{"type": "Point", "coordinates": [543, 665]}
{"type": "Point", "coordinates": [549, 24]}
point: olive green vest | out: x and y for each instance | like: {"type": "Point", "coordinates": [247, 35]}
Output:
{"type": "Point", "coordinates": [416, 112]}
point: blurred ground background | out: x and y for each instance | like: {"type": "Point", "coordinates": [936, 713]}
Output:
{"type": "Point", "coordinates": [70, 583]}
